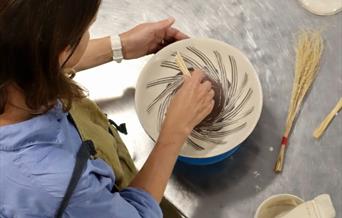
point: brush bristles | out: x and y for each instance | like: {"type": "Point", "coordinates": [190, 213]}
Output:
{"type": "Point", "coordinates": [280, 160]}
{"type": "Point", "coordinates": [308, 54]}
{"type": "Point", "coordinates": [181, 64]}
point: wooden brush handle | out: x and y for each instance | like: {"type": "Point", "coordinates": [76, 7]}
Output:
{"type": "Point", "coordinates": [278, 167]}
{"type": "Point", "coordinates": [325, 123]}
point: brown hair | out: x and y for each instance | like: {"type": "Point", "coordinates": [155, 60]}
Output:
{"type": "Point", "coordinates": [32, 36]}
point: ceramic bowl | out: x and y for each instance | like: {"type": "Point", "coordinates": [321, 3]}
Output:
{"type": "Point", "coordinates": [277, 206]}
{"type": "Point", "coordinates": [241, 106]}
{"type": "Point", "coordinates": [322, 7]}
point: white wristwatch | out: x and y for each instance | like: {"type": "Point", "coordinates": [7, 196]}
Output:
{"type": "Point", "coordinates": [116, 48]}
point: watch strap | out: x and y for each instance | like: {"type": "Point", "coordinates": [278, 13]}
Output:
{"type": "Point", "coordinates": [117, 48]}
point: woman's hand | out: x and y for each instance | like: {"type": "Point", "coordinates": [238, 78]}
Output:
{"type": "Point", "coordinates": [148, 38]}
{"type": "Point", "coordinates": [190, 105]}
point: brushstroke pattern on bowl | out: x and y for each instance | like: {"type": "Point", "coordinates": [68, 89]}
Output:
{"type": "Point", "coordinates": [238, 104]}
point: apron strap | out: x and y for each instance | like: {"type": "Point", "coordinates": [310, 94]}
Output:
{"type": "Point", "coordinates": [86, 150]}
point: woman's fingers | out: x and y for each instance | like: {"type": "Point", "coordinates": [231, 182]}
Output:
{"type": "Point", "coordinates": [203, 89]}
{"type": "Point", "coordinates": [173, 34]}
{"type": "Point", "coordinates": [197, 76]}
{"type": "Point", "coordinates": [191, 104]}
{"type": "Point", "coordinates": [212, 93]}
{"type": "Point", "coordinates": [207, 86]}
{"type": "Point", "coordinates": [209, 107]}
{"type": "Point", "coordinates": [163, 25]}
{"type": "Point", "coordinates": [205, 111]}
{"type": "Point", "coordinates": [205, 103]}
{"type": "Point", "coordinates": [207, 99]}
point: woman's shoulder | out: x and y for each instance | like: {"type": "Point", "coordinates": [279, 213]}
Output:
{"type": "Point", "coordinates": [49, 165]}
{"type": "Point", "coordinates": [44, 128]}
{"type": "Point", "coordinates": [34, 179]}
{"type": "Point", "coordinates": [36, 162]}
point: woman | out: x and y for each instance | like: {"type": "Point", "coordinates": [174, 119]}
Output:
{"type": "Point", "coordinates": [44, 117]}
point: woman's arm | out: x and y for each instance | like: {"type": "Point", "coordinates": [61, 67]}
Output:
{"type": "Point", "coordinates": [144, 39]}
{"type": "Point", "coordinates": [154, 175]}
{"type": "Point", "coordinates": [99, 51]}
{"type": "Point", "coordinates": [191, 104]}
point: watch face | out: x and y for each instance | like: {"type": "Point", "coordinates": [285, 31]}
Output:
{"type": "Point", "coordinates": [238, 94]}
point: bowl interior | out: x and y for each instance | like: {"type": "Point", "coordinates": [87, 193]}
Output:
{"type": "Point", "coordinates": [223, 63]}
{"type": "Point", "coordinates": [277, 206]}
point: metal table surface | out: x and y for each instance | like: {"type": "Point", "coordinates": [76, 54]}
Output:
{"type": "Point", "coordinates": [265, 31]}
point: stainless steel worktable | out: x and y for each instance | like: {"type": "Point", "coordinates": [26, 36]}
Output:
{"type": "Point", "coordinates": [265, 32]}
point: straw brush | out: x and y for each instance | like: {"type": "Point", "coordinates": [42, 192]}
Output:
{"type": "Point", "coordinates": [308, 54]}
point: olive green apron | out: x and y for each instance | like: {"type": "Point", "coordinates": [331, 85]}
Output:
{"type": "Point", "coordinates": [92, 124]}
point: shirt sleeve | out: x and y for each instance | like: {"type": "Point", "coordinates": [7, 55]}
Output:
{"type": "Point", "coordinates": [93, 198]}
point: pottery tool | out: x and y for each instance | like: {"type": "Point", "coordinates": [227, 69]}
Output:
{"type": "Point", "coordinates": [308, 53]}
{"type": "Point", "coordinates": [181, 64]}
{"type": "Point", "coordinates": [325, 123]}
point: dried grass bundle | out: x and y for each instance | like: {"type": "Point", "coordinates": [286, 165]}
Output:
{"type": "Point", "coordinates": [308, 53]}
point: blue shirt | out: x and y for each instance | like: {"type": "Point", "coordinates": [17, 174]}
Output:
{"type": "Point", "coordinates": [37, 157]}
